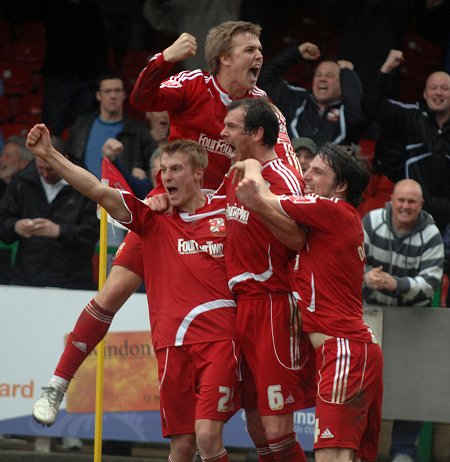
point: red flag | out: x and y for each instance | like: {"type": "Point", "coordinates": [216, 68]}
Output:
{"type": "Point", "coordinates": [115, 179]}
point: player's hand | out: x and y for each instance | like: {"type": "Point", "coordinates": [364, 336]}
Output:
{"type": "Point", "coordinates": [243, 168]}
{"type": "Point", "coordinates": [112, 148]}
{"type": "Point", "coordinates": [393, 60]}
{"type": "Point", "coordinates": [248, 192]}
{"type": "Point", "coordinates": [159, 203]}
{"type": "Point", "coordinates": [43, 227]}
{"type": "Point", "coordinates": [38, 141]}
{"type": "Point", "coordinates": [309, 51]}
{"type": "Point", "coordinates": [183, 47]}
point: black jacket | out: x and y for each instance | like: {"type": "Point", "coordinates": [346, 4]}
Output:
{"type": "Point", "coordinates": [425, 147]}
{"type": "Point", "coordinates": [135, 137]}
{"type": "Point", "coordinates": [42, 261]}
{"type": "Point", "coordinates": [340, 123]}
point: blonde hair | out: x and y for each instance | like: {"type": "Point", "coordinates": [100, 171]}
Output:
{"type": "Point", "coordinates": [218, 40]}
{"type": "Point", "coordinates": [197, 154]}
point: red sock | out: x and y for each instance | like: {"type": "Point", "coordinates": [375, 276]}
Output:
{"type": "Point", "coordinates": [222, 457]}
{"type": "Point", "coordinates": [91, 327]}
{"type": "Point", "coordinates": [265, 454]}
{"type": "Point", "coordinates": [286, 448]}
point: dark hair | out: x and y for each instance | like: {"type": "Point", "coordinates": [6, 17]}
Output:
{"type": "Point", "coordinates": [107, 76]}
{"type": "Point", "coordinates": [350, 168]}
{"type": "Point", "coordinates": [258, 113]}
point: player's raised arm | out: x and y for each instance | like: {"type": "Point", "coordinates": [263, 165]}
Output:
{"type": "Point", "coordinates": [39, 143]}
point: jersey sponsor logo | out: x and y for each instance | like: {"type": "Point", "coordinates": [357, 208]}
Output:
{"type": "Point", "coordinates": [217, 226]}
{"type": "Point", "coordinates": [216, 146]}
{"type": "Point", "coordinates": [215, 249]}
{"type": "Point", "coordinates": [233, 212]}
{"type": "Point", "coordinates": [327, 434]}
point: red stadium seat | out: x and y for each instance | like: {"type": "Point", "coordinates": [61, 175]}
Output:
{"type": "Point", "coordinates": [15, 129]}
{"type": "Point", "coordinates": [27, 108]}
{"type": "Point", "coordinates": [367, 147]}
{"type": "Point", "coordinates": [17, 78]}
{"type": "Point", "coordinates": [5, 110]}
{"type": "Point", "coordinates": [29, 52]}
{"type": "Point", "coordinates": [377, 193]}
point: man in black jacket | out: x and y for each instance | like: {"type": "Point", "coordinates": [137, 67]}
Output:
{"type": "Point", "coordinates": [423, 132]}
{"type": "Point", "coordinates": [331, 112]}
{"type": "Point", "coordinates": [57, 229]}
{"type": "Point", "coordinates": [89, 132]}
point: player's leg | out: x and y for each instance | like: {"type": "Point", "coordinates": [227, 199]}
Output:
{"type": "Point", "coordinates": [270, 342]}
{"type": "Point", "coordinates": [90, 328]}
{"type": "Point", "coordinates": [182, 448]}
{"type": "Point", "coordinates": [217, 375]}
{"type": "Point", "coordinates": [92, 325]}
{"type": "Point", "coordinates": [209, 440]}
{"type": "Point", "coordinates": [334, 455]}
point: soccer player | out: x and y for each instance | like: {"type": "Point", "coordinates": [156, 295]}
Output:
{"type": "Point", "coordinates": [192, 311]}
{"type": "Point", "coordinates": [329, 281]}
{"type": "Point", "coordinates": [197, 103]}
{"type": "Point", "coordinates": [268, 318]}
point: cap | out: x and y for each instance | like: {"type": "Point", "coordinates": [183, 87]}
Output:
{"type": "Point", "coordinates": [303, 142]}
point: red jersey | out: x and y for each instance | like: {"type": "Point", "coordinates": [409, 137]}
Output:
{"type": "Point", "coordinates": [197, 107]}
{"type": "Point", "coordinates": [185, 275]}
{"type": "Point", "coordinates": [256, 260]}
{"type": "Point", "coordinates": [330, 274]}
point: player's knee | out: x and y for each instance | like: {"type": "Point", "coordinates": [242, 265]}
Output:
{"type": "Point", "coordinates": [209, 439]}
{"type": "Point", "coordinates": [182, 448]}
{"type": "Point", "coordinates": [254, 427]}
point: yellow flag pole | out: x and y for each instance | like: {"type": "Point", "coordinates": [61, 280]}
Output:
{"type": "Point", "coordinates": [101, 345]}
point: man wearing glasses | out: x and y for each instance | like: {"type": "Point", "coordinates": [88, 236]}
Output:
{"type": "Point", "coordinates": [89, 132]}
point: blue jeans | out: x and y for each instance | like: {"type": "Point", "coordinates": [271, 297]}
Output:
{"type": "Point", "coordinates": [404, 436]}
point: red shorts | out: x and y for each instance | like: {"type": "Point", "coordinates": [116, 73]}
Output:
{"type": "Point", "coordinates": [129, 254]}
{"type": "Point", "coordinates": [349, 396]}
{"type": "Point", "coordinates": [279, 377]}
{"type": "Point", "coordinates": [200, 381]}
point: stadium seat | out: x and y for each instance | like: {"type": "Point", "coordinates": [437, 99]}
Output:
{"type": "Point", "coordinates": [17, 79]}
{"type": "Point", "coordinates": [5, 110]}
{"type": "Point", "coordinates": [377, 193]}
{"type": "Point", "coordinates": [367, 147]}
{"type": "Point", "coordinates": [136, 59]}
{"type": "Point", "coordinates": [29, 52]}
{"type": "Point", "coordinates": [30, 30]}
{"type": "Point", "coordinates": [15, 129]}
{"type": "Point", "coordinates": [27, 108]}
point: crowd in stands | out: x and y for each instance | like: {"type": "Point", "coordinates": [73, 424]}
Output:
{"type": "Point", "coordinates": [369, 73]}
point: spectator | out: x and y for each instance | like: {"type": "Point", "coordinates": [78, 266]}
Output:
{"type": "Point", "coordinates": [405, 258]}
{"type": "Point", "coordinates": [332, 112]}
{"type": "Point", "coordinates": [13, 158]}
{"type": "Point", "coordinates": [424, 131]}
{"type": "Point", "coordinates": [305, 148]}
{"type": "Point", "coordinates": [90, 132]}
{"type": "Point", "coordinates": [57, 229]}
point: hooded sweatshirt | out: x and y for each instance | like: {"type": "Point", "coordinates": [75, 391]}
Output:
{"type": "Point", "coordinates": [415, 258]}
